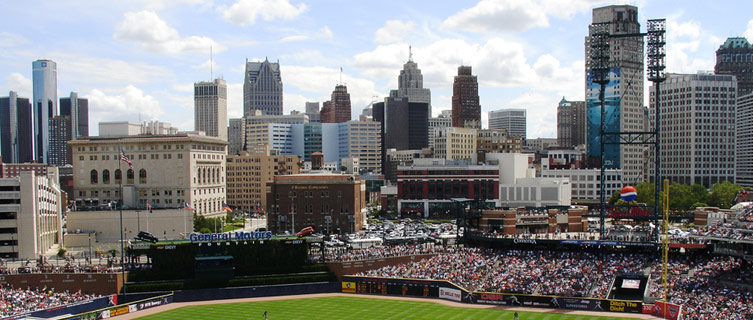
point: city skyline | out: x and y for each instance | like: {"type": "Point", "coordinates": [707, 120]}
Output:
{"type": "Point", "coordinates": [140, 60]}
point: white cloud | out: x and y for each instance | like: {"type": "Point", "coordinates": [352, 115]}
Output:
{"type": "Point", "coordinates": [74, 68]}
{"type": "Point", "coordinates": [153, 33]}
{"type": "Point", "coordinates": [20, 84]}
{"type": "Point", "coordinates": [294, 38]}
{"type": "Point", "coordinates": [749, 32]}
{"type": "Point", "coordinates": [515, 15]}
{"type": "Point", "coordinates": [235, 100]}
{"type": "Point", "coordinates": [393, 31]}
{"type": "Point", "coordinates": [323, 33]}
{"type": "Point", "coordinates": [541, 113]}
{"type": "Point", "coordinates": [685, 40]}
{"type": "Point", "coordinates": [497, 63]}
{"type": "Point", "coordinates": [499, 15]}
{"type": "Point", "coordinates": [207, 65]}
{"type": "Point", "coordinates": [121, 104]}
{"type": "Point", "coordinates": [245, 12]}
{"type": "Point", "coordinates": [8, 39]}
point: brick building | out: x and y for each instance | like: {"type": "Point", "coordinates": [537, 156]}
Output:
{"type": "Point", "coordinates": [249, 172]}
{"type": "Point", "coordinates": [326, 201]}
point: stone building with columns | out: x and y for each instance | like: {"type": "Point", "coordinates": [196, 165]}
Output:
{"type": "Point", "coordinates": [168, 171]}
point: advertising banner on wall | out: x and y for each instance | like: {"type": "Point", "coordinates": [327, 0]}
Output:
{"type": "Point", "coordinates": [558, 302]}
{"type": "Point", "coordinates": [664, 310]}
{"type": "Point", "coordinates": [450, 294]}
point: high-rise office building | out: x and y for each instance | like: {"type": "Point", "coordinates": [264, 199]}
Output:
{"type": "Point", "coordinates": [735, 57]}
{"type": "Point", "coordinates": [697, 128]}
{"type": "Point", "coordinates": [406, 124]}
{"type": "Point", "coordinates": [312, 110]}
{"type": "Point", "coordinates": [571, 123]}
{"type": "Point", "coordinates": [16, 133]}
{"type": "Point", "coordinates": [512, 120]}
{"type": "Point", "coordinates": [236, 136]}
{"type": "Point", "coordinates": [410, 84]}
{"type": "Point", "coordinates": [444, 120]}
{"type": "Point", "coordinates": [744, 140]}
{"type": "Point", "coordinates": [77, 109]}
{"type": "Point", "coordinates": [210, 108]}
{"type": "Point", "coordinates": [45, 104]}
{"type": "Point", "coordinates": [466, 110]}
{"type": "Point", "coordinates": [60, 133]}
{"type": "Point", "coordinates": [455, 144]}
{"type": "Point", "coordinates": [262, 88]}
{"type": "Point", "coordinates": [337, 110]}
{"type": "Point", "coordinates": [623, 96]}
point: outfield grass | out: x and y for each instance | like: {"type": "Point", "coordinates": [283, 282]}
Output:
{"type": "Point", "coordinates": [350, 308]}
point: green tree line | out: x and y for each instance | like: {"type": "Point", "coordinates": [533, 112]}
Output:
{"type": "Point", "coordinates": [686, 197]}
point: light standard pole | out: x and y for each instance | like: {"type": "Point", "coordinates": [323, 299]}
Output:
{"type": "Point", "coordinates": [90, 246]}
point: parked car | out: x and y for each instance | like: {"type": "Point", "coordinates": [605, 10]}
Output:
{"type": "Point", "coordinates": [146, 236]}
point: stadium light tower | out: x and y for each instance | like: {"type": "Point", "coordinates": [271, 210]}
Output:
{"type": "Point", "coordinates": [599, 62]}
{"type": "Point", "coordinates": [656, 45]}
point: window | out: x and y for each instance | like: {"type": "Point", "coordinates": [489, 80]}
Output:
{"type": "Point", "coordinates": [93, 177]}
{"type": "Point", "coordinates": [142, 176]}
{"type": "Point", "coordinates": [118, 176]}
{"type": "Point", "coordinates": [129, 176]}
{"type": "Point", "coordinates": [106, 176]}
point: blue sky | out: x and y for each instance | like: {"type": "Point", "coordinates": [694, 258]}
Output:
{"type": "Point", "coordinates": [140, 58]}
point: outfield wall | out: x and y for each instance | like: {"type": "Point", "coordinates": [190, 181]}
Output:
{"type": "Point", "coordinates": [447, 290]}
{"type": "Point", "coordinates": [242, 292]}
{"type": "Point", "coordinates": [123, 308]}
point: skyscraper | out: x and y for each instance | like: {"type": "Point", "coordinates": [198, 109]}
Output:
{"type": "Point", "coordinates": [78, 110]}
{"type": "Point", "coordinates": [697, 135]}
{"type": "Point", "coordinates": [512, 120]}
{"type": "Point", "coordinates": [16, 133]}
{"type": "Point", "coordinates": [623, 94]}
{"type": "Point", "coordinates": [236, 136]}
{"type": "Point", "coordinates": [312, 110]}
{"type": "Point", "coordinates": [60, 153]}
{"type": "Point", "coordinates": [735, 57]}
{"type": "Point", "coordinates": [466, 111]}
{"type": "Point", "coordinates": [571, 123]}
{"type": "Point", "coordinates": [743, 141]}
{"type": "Point", "coordinates": [410, 84]}
{"type": "Point", "coordinates": [262, 88]}
{"type": "Point", "coordinates": [442, 121]}
{"type": "Point", "coordinates": [210, 108]}
{"type": "Point", "coordinates": [338, 109]}
{"type": "Point", "coordinates": [45, 104]}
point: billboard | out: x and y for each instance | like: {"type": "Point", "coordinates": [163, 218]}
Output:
{"type": "Point", "coordinates": [612, 97]}
{"type": "Point", "coordinates": [450, 294]}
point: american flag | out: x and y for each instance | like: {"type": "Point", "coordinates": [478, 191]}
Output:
{"type": "Point", "coordinates": [124, 158]}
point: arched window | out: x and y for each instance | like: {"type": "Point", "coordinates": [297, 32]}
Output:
{"type": "Point", "coordinates": [129, 176]}
{"type": "Point", "coordinates": [118, 176]}
{"type": "Point", "coordinates": [106, 176]}
{"type": "Point", "coordinates": [94, 177]}
{"type": "Point", "coordinates": [142, 176]}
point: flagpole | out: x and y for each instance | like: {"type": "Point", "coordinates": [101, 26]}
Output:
{"type": "Point", "coordinates": [122, 247]}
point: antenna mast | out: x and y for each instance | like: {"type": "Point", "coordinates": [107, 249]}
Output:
{"type": "Point", "coordinates": [211, 65]}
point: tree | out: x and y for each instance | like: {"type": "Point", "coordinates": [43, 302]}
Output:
{"type": "Point", "coordinates": [698, 204]}
{"type": "Point", "coordinates": [723, 194]}
{"type": "Point", "coordinates": [614, 198]}
{"type": "Point", "coordinates": [646, 193]}
{"type": "Point", "coordinates": [700, 193]}
{"type": "Point", "coordinates": [680, 196]}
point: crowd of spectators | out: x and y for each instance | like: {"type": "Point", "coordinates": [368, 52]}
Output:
{"type": "Point", "coordinates": [343, 254]}
{"type": "Point", "coordinates": [729, 230]}
{"type": "Point", "coordinates": [19, 301]}
{"type": "Point", "coordinates": [691, 284]}
{"type": "Point", "coordinates": [514, 271]}
{"type": "Point", "coordinates": [693, 281]}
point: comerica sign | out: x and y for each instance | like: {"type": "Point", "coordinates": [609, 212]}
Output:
{"type": "Point", "coordinates": [230, 236]}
